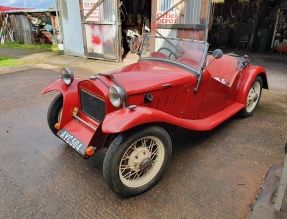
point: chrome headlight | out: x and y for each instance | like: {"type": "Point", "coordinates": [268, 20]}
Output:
{"type": "Point", "coordinates": [116, 96]}
{"type": "Point", "coordinates": [67, 76]}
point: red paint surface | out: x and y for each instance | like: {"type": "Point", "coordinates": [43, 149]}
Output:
{"type": "Point", "coordinates": [281, 47]}
{"type": "Point", "coordinates": [96, 34]}
{"type": "Point", "coordinates": [70, 97]}
{"type": "Point", "coordinates": [6, 8]}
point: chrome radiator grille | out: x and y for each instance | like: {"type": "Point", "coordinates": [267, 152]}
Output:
{"type": "Point", "coordinates": [92, 106]}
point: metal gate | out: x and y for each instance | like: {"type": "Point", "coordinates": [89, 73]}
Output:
{"type": "Point", "coordinates": [101, 29]}
{"type": "Point", "coordinates": [181, 18]}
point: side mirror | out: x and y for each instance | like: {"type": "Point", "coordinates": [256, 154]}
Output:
{"type": "Point", "coordinates": [217, 54]}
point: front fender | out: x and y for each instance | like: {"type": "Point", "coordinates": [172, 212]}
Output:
{"type": "Point", "coordinates": [251, 74]}
{"type": "Point", "coordinates": [125, 119]}
{"type": "Point", "coordinates": [70, 98]}
{"type": "Point", "coordinates": [59, 85]}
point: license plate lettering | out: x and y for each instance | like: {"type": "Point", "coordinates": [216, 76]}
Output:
{"type": "Point", "coordinates": [75, 144]}
{"type": "Point", "coordinates": [78, 147]}
{"type": "Point", "coordinates": [72, 141]}
{"type": "Point", "coordinates": [67, 136]}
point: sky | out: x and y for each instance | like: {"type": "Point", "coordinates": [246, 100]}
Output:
{"type": "Point", "coordinates": [37, 4]}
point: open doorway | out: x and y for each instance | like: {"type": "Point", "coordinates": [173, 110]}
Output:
{"type": "Point", "coordinates": [135, 16]}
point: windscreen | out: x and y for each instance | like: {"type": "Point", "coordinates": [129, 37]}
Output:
{"type": "Point", "coordinates": [184, 51]}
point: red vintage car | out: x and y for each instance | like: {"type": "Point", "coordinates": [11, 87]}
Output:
{"type": "Point", "coordinates": [176, 82]}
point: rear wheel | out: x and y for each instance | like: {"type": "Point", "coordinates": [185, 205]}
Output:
{"type": "Point", "coordinates": [54, 114]}
{"type": "Point", "coordinates": [253, 97]}
{"type": "Point", "coordinates": [136, 161]}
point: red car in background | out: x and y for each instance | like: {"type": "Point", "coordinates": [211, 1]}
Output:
{"type": "Point", "coordinates": [176, 82]}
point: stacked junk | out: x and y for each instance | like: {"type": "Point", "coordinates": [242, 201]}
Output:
{"type": "Point", "coordinates": [29, 27]}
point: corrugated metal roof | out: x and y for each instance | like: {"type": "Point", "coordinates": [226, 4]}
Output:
{"type": "Point", "coordinates": [30, 11]}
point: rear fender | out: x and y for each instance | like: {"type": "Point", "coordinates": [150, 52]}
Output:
{"type": "Point", "coordinates": [251, 74]}
{"type": "Point", "coordinates": [70, 98]}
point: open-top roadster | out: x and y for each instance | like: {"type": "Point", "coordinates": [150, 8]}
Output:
{"type": "Point", "coordinates": [176, 82]}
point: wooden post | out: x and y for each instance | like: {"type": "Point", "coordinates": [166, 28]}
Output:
{"type": "Point", "coordinates": [282, 186]}
{"type": "Point", "coordinates": [255, 25]}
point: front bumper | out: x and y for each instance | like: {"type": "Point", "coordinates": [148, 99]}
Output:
{"type": "Point", "coordinates": [78, 135]}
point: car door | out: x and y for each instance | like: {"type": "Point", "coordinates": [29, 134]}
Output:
{"type": "Point", "coordinates": [222, 82]}
{"type": "Point", "coordinates": [215, 98]}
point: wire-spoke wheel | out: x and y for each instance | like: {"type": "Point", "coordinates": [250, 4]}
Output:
{"type": "Point", "coordinates": [141, 162]}
{"type": "Point", "coordinates": [55, 111]}
{"type": "Point", "coordinates": [136, 161]}
{"type": "Point", "coordinates": [253, 97]}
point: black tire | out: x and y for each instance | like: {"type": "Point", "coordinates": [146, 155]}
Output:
{"type": "Point", "coordinates": [147, 164]}
{"type": "Point", "coordinates": [253, 97]}
{"type": "Point", "coordinates": [53, 112]}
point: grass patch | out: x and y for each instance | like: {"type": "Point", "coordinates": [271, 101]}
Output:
{"type": "Point", "coordinates": [51, 47]}
{"type": "Point", "coordinates": [6, 61]}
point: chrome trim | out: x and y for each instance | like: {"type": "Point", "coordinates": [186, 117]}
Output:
{"type": "Point", "coordinates": [87, 124]}
{"type": "Point", "coordinates": [166, 85]}
{"type": "Point", "coordinates": [111, 77]}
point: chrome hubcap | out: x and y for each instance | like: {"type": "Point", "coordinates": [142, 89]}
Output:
{"type": "Point", "coordinates": [145, 164]}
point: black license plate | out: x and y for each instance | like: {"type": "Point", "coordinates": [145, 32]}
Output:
{"type": "Point", "coordinates": [72, 141]}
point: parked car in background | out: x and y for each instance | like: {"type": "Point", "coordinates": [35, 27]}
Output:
{"type": "Point", "coordinates": [176, 82]}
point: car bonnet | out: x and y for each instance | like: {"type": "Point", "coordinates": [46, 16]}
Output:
{"type": "Point", "coordinates": [149, 75]}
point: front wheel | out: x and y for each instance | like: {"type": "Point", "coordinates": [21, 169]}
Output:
{"type": "Point", "coordinates": [54, 114]}
{"type": "Point", "coordinates": [136, 161]}
{"type": "Point", "coordinates": [253, 97]}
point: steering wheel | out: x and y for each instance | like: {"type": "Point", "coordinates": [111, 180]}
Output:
{"type": "Point", "coordinates": [170, 52]}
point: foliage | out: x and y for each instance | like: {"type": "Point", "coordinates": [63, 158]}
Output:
{"type": "Point", "coordinates": [31, 46]}
{"type": "Point", "coordinates": [6, 61]}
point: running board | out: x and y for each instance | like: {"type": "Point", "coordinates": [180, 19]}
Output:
{"type": "Point", "coordinates": [113, 123]}
{"type": "Point", "coordinates": [210, 122]}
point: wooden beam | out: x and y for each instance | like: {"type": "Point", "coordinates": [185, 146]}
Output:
{"type": "Point", "coordinates": [92, 9]}
{"type": "Point", "coordinates": [182, 26]}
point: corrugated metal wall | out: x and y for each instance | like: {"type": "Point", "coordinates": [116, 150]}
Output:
{"type": "Point", "coordinates": [192, 18]}
{"type": "Point", "coordinates": [23, 27]}
{"type": "Point", "coordinates": [101, 38]}
{"type": "Point", "coordinates": [188, 11]}
{"type": "Point", "coordinates": [101, 30]}
{"type": "Point", "coordinates": [72, 28]}
{"type": "Point", "coordinates": [99, 35]}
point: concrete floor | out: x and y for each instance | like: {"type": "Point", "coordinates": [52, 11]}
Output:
{"type": "Point", "coordinates": [215, 174]}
